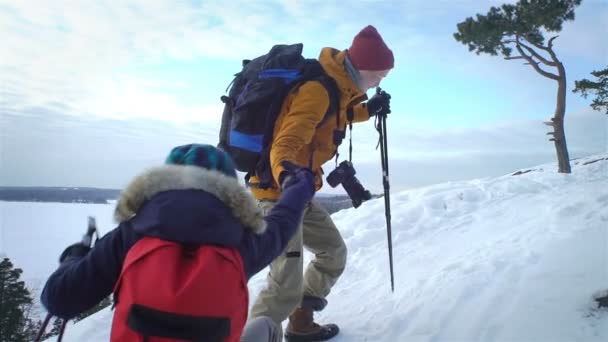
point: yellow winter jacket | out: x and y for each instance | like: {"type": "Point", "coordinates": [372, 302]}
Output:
{"type": "Point", "coordinates": [296, 136]}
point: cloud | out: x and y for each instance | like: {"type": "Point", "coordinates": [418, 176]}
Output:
{"type": "Point", "coordinates": [50, 148]}
{"type": "Point", "coordinates": [127, 97]}
{"type": "Point", "coordinates": [69, 88]}
{"type": "Point", "coordinates": [586, 131]}
{"type": "Point", "coordinates": [580, 41]}
{"type": "Point", "coordinates": [585, 37]}
{"type": "Point", "coordinates": [419, 158]}
{"type": "Point", "coordinates": [80, 53]}
{"type": "Point", "coordinates": [64, 150]}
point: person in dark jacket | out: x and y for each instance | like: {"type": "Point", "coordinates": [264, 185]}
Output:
{"type": "Point", "coordinates": [194, 199]}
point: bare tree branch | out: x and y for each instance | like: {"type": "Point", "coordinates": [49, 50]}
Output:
{"type": "Point", "coordinates": [535, 65]}
{"type": "Point", "coordinates": [514, 57]}
{"type": "Point", "coordinates": [550, 43]}
{"type": "Point", "coordinates": [538, 46]}
{"type": "Point", "coordinates": [537, 55]}
{"type": "Point", "coordinates": [548, 48]}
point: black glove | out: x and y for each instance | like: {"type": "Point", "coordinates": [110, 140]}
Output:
{"type": "Point", "coordinates": [297, 180]}
{"type": "Point", "coordinates": [379, 103]}
{"type": "Point", "coordinates": [286, 177]}
{"type": "Point", "coordinates": [76, 250]}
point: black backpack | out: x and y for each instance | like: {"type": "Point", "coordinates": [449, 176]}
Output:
{"type": "Point", "coordinates": [254, 102]}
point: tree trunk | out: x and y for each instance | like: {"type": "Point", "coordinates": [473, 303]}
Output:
{"type": "Point", "coordinates": [563, 159]}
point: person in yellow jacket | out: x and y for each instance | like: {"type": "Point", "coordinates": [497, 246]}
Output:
{"type": "Point", "coordinates": [300, 137]}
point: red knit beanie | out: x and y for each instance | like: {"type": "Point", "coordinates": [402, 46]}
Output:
{"type": "Point", "coordinates": [369, 52]}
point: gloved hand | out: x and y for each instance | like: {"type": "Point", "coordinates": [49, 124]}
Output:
{"type": "Point", "coordinates": [380, 103]}
{"type": "Point", "coordinates": [297, 182]}
{"type": "Point", "coordinates": [75, 250]}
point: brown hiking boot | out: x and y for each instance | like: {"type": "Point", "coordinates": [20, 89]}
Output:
{"type": "Point", "coordinates": [302, 328]}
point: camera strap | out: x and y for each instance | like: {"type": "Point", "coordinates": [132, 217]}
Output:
{"type": "Point", "coordinates": [350, 142]}
{"type": "Point", "coordinates": [350, 116]}
{"type": "Point", "coordinates": [340, 135]}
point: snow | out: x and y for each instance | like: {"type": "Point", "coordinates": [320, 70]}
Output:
{"type": "Point", "coordinates": [33, 234]}
{"type": "Point", "coordinates": [513, 258]}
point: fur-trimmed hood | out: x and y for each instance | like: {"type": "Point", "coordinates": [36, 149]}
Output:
{"type": "Point", "coordinates": [184, 177]}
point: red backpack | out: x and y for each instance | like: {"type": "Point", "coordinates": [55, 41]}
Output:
{"type": "Point", "coordinates": [170, 292]}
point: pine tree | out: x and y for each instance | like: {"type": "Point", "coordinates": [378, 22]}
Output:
{"type": "Point", "coordinates": [15, 304]}
{"type": "Point", "coordinates": [56, 326]}
{"type": "Point", "coordinates": [100, 306]}
{"type": "Point", "coordinates": [523, 26]}
{"type": "Point", "coordinates": [599, 88]}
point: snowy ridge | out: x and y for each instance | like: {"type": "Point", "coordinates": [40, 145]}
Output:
{"type": "Point", "coordinates": [513, 258]}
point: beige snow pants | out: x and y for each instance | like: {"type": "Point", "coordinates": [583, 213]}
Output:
{"type": "Point", "coordinates": [287, 287]}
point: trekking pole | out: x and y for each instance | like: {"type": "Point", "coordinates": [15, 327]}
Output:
{"type": "Point", "coordinates": [381, 127]}
{"type": "Point", "coordinates": [43, 327]}
{"type": "Point", "coordinates": [87, 240]}
{"type": "Point", "coordinates": [62, 330]}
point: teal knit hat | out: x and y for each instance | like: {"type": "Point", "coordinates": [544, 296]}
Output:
{"type": "Point", "coordinates": [205, 156]}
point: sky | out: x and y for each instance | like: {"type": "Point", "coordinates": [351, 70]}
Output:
{"type": "Point", "coordinates": [496, 259]}
{"type": "Point", "coordinates": [92, 92]}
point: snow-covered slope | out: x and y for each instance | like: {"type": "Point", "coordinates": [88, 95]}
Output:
{"type": "Point", "coordinates": [514, 258]}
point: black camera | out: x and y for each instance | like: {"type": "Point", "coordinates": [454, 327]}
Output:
{"type": "Point", "coordinates": [345, 174]}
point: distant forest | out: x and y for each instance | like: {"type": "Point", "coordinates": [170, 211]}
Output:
{"type": "Point", "coordinates": [103, 196]}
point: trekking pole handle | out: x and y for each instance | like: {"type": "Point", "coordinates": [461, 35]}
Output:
{"type": "Point", "coordinates": [87, 239]}
{"type": "Point", "coordinates": [383, 112]}
{"type": "Point", "coordinates": [379, 91]}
